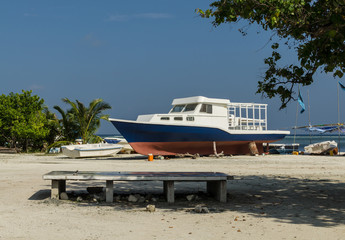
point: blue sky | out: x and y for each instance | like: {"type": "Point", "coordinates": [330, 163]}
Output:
{"type": "Point", "coordinates": [140, 55]}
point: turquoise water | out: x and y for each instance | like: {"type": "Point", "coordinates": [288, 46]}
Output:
{"type": "Point", "coordinates": [303, 140]}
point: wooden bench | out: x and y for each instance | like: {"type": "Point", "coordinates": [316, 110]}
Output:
{"type": "Point", "coordinates": [216, 181]}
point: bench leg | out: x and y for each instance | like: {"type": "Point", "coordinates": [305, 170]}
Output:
{"type": "Point", "coordinates": [217, 189]}
{"type": "Point", "coordinates": [58, 186]}
{"type": "Point", "coordinates": [109, 191]}
{"type": "Point", "coordinates": [169, 191]}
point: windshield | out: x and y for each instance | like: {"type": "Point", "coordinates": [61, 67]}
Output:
{"type": "Point", "coordinates": [190, 107]}
{"type": "Point", "coordinates": [177, 108]}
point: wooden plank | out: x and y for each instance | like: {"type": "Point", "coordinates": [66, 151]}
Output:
{"type": "Point", "coordinates": [136, 176]}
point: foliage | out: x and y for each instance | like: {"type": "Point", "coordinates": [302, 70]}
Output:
{"type": "Point", "coordinates": [314, 28]}
{"type": "Point", "coordinates": [81, 120]}
{"type": "Point", "coordinates": [68, 129]}
{"type": "Point", "coordinates": [52, 124]}
{"type": "Point", "coordinates": [23, 122]}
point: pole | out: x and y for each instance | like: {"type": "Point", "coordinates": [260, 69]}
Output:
{"type": "Point", "coordinates": [309, 117]}
{"type": "Point", "coordinates": [294, 137]}
{"type": "Point", "coordinates": [338, 120]}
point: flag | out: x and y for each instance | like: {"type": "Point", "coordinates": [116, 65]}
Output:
{"type": "Point", "coordinates": [300, 101]}
{"type": "Point", "coordinates": [342, 86]}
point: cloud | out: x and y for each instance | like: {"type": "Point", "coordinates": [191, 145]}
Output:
{"type": "Point", "coordinates": [128, 17]}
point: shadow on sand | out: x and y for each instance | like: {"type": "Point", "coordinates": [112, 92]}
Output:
{"type": "Point", "coordinates": [318, 203]}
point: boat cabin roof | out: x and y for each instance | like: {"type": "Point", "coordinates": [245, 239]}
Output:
{"type": "Point", "coordinates": [200, 99]}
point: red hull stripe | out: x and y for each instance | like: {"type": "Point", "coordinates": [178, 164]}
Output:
{"type": "Point", "coordinates": [203, 148]}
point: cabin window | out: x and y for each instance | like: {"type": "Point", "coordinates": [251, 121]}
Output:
{"type": "Point", "coordinates": [206, 108]}
{"type": "Point", "coordinates": [165, 118]}
{"type": "Point", "coordinates": [190, 107]}
{"type": "Point", "coordinates": [177, 108]}
{"type": "Point", "coordinates": [178, 118]}
{"type": "Point", "coordinates": [190, 118]}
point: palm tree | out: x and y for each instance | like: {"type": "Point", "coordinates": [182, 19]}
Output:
{"type": "Point", "coordinates": [68, 128]}
{"type": "Point", "coordinates": [87, 119]}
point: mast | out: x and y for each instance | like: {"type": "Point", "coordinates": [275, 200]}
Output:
{"type": "Point", "coordinates": [309, 123]}
{"type": "Point", "coordinates": [338, 120]}
{"type": "Point", "coordinates": [294, 136]}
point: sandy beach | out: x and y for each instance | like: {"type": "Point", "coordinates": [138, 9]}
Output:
{"type": "Point", "coordinates": [271, 197]}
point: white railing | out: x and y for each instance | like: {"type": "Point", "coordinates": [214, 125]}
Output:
{"type": "Point", "coordinates": [247, 116]}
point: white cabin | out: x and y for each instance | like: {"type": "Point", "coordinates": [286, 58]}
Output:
{"type": "Point", "coordinates": [212, 112]}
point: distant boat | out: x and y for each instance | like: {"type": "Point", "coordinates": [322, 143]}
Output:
{"type": "Point", "coordinates": [112, 140]}
{"type": "Point", "coordinates": [126, 148]}
{"type": "Point", "coordinates": [321, 147]}
{"type": "Point", "coordinates": [282, 148]}
{"type": "Point", "coordinates": [200, 125]}
{"type": "Point", "coordinates": [90, 150]}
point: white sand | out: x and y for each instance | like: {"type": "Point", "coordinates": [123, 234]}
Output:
{"type": "Point", "coordinates": [272, 197]}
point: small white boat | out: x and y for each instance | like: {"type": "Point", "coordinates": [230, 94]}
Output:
{"type": "Point", "coordinates": [320, 147]}
{"type": "Point", "coordinates": [90, 150]}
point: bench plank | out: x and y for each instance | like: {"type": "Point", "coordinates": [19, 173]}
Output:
{"type": "Point", "coordinates": [135, 176]}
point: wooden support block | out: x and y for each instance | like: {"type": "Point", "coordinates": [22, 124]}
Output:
{"type": "Point", "coordinates": [109, 191]}
{"type": "Point", "coordinates": [169, 191]}
{"type": "Point", "coordinates": [217, 189]}
{"type": "Point", "coordinates": [58, 186]}
{"type": "Point", "coordinates": [253, 148]}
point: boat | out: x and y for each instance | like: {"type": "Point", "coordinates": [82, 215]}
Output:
{"type": "Point", "coordinates": [281, 148]}
{"type": "Point", "coordinates": [324, 147]}
{"type": "Point", "coordinates": [126, 148]}
{"type": "Point", "coordinates": [112, 140]}
{"type": "Point", "coordinates": [90, 150]}
{"type": "Point", "coordinates": [200, 125]}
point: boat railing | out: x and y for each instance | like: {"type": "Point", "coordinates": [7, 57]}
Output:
{"type": "Point", "coordinates": [247, 116]}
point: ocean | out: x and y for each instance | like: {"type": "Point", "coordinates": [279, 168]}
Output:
{"type": "Point", "coordinates": [302, 139]}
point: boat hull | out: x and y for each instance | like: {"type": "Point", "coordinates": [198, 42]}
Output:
{"type": "Point", "coordinates": [202, 148]}
{"type": "Point", "coordinates": [160, 139]}
{"type": "Point", "coordinates": [90, 150]}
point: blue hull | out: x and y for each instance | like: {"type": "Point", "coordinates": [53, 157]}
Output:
{"type": "Point", "coordinates": [140, 132]}
{"type": "Point", "coordinates": [160, 139]}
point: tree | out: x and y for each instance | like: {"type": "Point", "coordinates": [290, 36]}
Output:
{"type": "Point", "coordinates": [84, 120]}
{"type": "Point", "coordinates": [22, 121]}
{"type": "Point", "coordinates": [68, 129]}
{"type": "Point", "coordinates": [52, 124]}
{"type": "Point", "coordinates": [314, 28]}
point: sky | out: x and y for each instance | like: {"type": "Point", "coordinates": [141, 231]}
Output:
{"type": "Point", "coordinates": [140, 55]}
